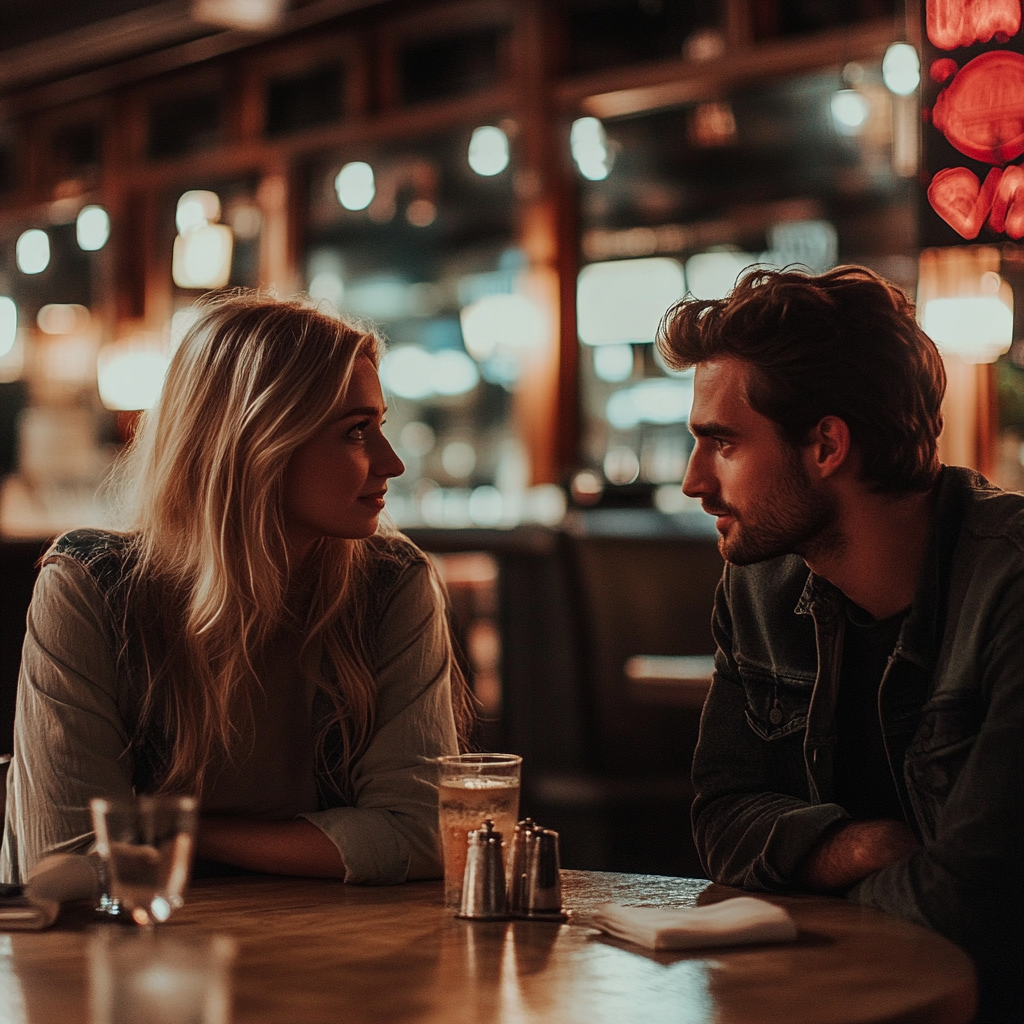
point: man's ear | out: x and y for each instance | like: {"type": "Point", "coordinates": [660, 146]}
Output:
{"type": "Point", "coordinates": [828, 447]}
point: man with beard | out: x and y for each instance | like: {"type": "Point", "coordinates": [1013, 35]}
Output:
{"type": "Point", "coordinates": [863, 733]}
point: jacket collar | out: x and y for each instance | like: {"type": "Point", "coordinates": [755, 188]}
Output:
{"type": "Point", "coordinates": [921, 635]}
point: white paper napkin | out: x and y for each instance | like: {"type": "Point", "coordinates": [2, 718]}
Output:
{"type": "Point", "coordinates": [733, 922]}
{"type": "Point", "coordinates": [20, 914]}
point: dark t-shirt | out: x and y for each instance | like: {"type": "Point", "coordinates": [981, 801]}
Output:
{"type": "Point", "coordinates": [863, 780]}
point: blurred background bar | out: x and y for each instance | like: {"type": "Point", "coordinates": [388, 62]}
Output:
{"type": "Point", "coordinates": [512, 192]}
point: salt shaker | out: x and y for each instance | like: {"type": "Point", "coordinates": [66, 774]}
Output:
{"type": "Point", "coordinates": [541, 883]}
{"type": "Point", "coordinates": [483, 884]}
{"type": "Point", "coordinates": [522, 840]}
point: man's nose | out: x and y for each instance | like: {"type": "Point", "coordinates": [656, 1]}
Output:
{"type": "Point", "coordinates": [693, 483]}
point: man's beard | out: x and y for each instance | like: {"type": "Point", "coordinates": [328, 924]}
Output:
{"type": "Point", "coordinates": [792, 518]}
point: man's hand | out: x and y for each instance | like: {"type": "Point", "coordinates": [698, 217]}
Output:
{"type": "Point", "coordinates": [854, 850]}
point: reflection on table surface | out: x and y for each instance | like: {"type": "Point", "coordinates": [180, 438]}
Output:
{"type": "Point", "coordinates": [319, 951]}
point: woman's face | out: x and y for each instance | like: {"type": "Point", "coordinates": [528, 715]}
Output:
{"type": "Point", "coordinates": [334, 483]}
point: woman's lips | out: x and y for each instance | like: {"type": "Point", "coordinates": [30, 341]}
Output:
{"type": "Point", "coordinates": [375, 501]}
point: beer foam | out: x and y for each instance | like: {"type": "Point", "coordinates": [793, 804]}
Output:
{"type": "Point", "coordinates": [481, 782]}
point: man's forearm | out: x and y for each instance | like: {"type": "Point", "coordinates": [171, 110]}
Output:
{"type": "Point", "coordinates": [294, 847]}
{"type": "Point", "coordinates": [852, 851]}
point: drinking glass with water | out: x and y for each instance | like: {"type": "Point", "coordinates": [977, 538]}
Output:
{"type": "Point", "coordinates": [146, 845]}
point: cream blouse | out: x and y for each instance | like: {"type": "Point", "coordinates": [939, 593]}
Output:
{"type": "Point", "coordinates": [71, 742]}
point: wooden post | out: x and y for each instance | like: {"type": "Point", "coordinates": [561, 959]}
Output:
{"type": "Point", "coordinates": [547, 405]}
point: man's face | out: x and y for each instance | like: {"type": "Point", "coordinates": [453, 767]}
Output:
{"type": "Point", "coordinates": [746, 475]}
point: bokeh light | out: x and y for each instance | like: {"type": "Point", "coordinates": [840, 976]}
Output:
{"type": "Point", "coordinates": [488, 151]}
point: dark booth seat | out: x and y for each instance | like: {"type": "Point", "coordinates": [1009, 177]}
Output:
{"type": "Point", "coordinates": [603, 764]}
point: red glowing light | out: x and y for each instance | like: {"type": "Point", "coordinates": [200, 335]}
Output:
{"type": "Point", "coordinates": [1008, 206]}
{"type": "Point", "coordinates": [981, 111]}
{"type": "Point", "coordinates": [964, 203]}
{"type": "Point", "coordinates": [955, 23]}
{"type": "Point", "coordinates": [942, 69]}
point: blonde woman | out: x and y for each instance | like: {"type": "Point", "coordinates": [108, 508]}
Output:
{"type": "Point", "coordinates": [257, 636]}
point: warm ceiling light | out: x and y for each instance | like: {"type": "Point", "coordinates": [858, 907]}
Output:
{"type": "Point", "coordinates": [849, 111]}
{"type": "Point", "coordinates": [589, 147]}
{"type": "Point", "coordinates": [92, 228]}
{"type": "Point", "coordinates": [196, 208]}
{"type": "Point", "coordinates": [712, 275]}
{"type": "Point", "coordinates": [355, 185]}
{"type": "Point", "coordinates": [202, 258]}
{"type": "Point", "coordinates": [978, 328]}
{"type": "Point", "coordinates": [130, 374]}
{"type": "Point", "coordinates": [8, 324]}
{"type": "Point", "coordinates": [62, 318]}
{"type": "Point", "coordinates": [901, 69]}
{"type": "Point", "coordinates": [33, 251]}
{"type": "Point", "coordinates": [488, 151]}
{"type": "Point", "coordinates": [254, 15]}
{"type": "Point", "coordinates": [406, 371]}
{"type": "Point", "coordinates": [613, 363]}
{"type": "Point", "coordinates": [421, 213]}
{"type": "Point", "coordinates": [651, 401]}
{"type": "Point", "coordinates": [203, 248]}
{"type": "Point", "coordinates": [502, 325]}
{"type": "Point", "coordinates": [624, 300]}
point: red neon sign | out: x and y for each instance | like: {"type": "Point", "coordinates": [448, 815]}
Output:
{"type": "Point", "coordinates": [955, 23]}
{"type": "Point", "coordinates": [981, 114]}
{"type": "Point", "coordinates": [981, 111]}
{"type": "Point", "coordinates": [964, 203]}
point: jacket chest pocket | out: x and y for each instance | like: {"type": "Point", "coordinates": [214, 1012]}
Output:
{"type": "Point", "coordinates": [942, 744]}
{"type": "Point", "coordinates": [776, 705]}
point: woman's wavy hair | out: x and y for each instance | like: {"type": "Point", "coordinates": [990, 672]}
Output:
{"type": "Point", "coordinates": [201, 486]}
{"type": "Point", "coordinates": [845, 343]}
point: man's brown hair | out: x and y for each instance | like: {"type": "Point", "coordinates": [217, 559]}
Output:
{"type": "Point", "coordinates": [844, 344]}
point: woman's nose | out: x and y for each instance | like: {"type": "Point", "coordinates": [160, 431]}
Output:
{"type": "Point", "coordinates": [387, 463]}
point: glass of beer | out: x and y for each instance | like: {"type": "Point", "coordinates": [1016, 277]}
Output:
{"type": "Point", "coordinates": [471, 789]}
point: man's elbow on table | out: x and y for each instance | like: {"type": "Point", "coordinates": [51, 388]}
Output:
{"type": "Point", "coordinates": [852, 850]}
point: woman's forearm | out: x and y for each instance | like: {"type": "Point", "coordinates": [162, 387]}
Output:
{"type": "Point", "coordinates": [295, 847]}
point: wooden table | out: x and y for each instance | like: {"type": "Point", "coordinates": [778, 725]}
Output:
{"type": "Point", "coordinates": [313, 951]}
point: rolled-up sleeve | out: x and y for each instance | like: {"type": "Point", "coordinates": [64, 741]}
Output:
{"type": "Point", "coordinates": [390, 834]}
{"type": "Point", "coordinates": [70, 742]}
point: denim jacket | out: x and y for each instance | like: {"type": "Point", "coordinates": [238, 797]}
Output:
{"type": "Point", "coordinates": [950, 707]}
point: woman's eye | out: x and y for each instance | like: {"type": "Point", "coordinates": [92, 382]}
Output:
{"type": "Point", "coordinates": [359, 430]}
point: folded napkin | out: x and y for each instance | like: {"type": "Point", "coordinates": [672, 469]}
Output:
{"type": "Point", "coordinates": [53, 881]}
{"type": "Point", "coordinates": [732, 922]}
{"type": "Point", "coordinates": [19, 913]}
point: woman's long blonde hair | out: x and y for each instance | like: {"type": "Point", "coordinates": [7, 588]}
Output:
{"type": "Point", "coordinates": [201, 484]}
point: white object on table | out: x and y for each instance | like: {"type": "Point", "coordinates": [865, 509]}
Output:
{"type": "Point", "coordinates": [733, 922]}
